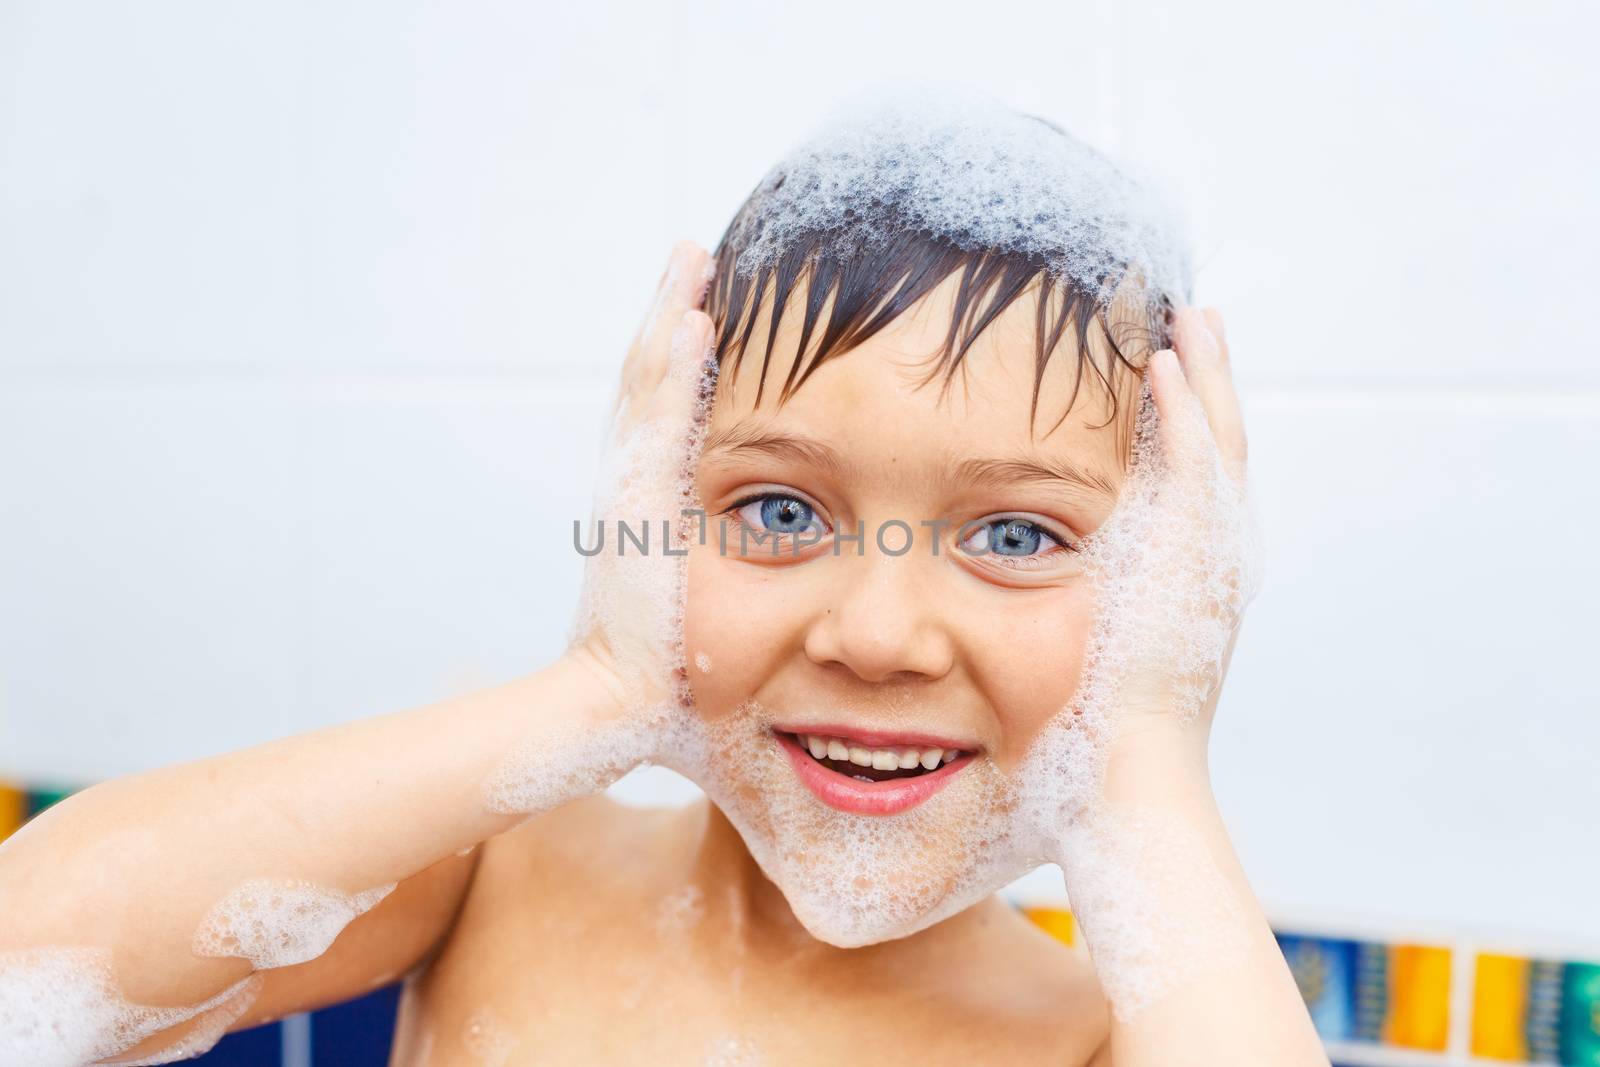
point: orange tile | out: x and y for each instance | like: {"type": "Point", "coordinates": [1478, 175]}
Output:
{"type": "Point", "coordinates": [1057, 922]}
{"type": "Point", "coordinates": [13, 809]}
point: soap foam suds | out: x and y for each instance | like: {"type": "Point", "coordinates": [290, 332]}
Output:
{"type": "Point", "coordinates": [632, 599]}
{"type": "Point", "coordinates": [680, 911]}
{"type": "Point", "coordinates": [965, 168]}
{"type": "Point", "coordinates": [732, 1050]}
{"type": "Point", "coordinates": [208, 1029]}
{"type": "Point", "coordinates": [562, 765]}
{"type": "Point", "coordinates": [281, 922]}
{"type": "Point", "coordinates": [703, 662]}
{"type": "Point", "coordinates": [486, 1039]}
{"type": "Point", "coordinates": [1131, 871]}
{"type": "Point", "coordinates": [63, 1007]}
{"type": "Point", "coordinates": [853, 879]}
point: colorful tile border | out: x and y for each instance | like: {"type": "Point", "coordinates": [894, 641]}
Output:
{"type": "Point", "coordinates": [1535, 1011]}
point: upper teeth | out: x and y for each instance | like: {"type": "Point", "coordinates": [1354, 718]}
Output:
{"type": "Point", "coordinates": [881, 759]}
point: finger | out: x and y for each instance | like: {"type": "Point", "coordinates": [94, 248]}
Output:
{"type": "Point", "coordinates": [1205, 367]}
{"type": "Point", "coordinates": [683, 289]}
{"type": "Point", "coordinates": [1168, 387]}
{"type": "Point", "coordinates": [683, 284]}
{"type": "Point", "coordinates": [677, 399]}
{"type": "Point", "coordinates": [682, 400]}
{"type": "Point", "coordinates": [1214, 324]}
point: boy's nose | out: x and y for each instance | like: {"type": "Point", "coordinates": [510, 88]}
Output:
{"type": "Point", "coordinates": [882, 623]}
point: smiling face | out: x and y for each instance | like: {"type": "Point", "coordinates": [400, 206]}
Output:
{"type": "Point", "coordinates": [871, 700]}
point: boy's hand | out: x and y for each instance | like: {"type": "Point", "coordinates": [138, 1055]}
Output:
{"type": "Point", "coordinates": [628, 628]}
{"type": "Point", "coordinates": [626, 658]}
{"type": "Point", "coordinates": [1184, 569]}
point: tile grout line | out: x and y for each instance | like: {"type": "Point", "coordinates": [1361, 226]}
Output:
{"type": "Point", "coordinates": [295, 1035]}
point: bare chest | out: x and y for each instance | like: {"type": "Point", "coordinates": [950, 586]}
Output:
{"type": "Point", "coordinates": [560, 988]}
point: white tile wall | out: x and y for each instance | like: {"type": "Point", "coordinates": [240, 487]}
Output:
{"type": "Point", "coordinates": [307, 317]}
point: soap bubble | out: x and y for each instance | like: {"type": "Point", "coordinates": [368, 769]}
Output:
{"type": "Point", "coordinates": [63, 1007]}
{"type": "Point", "coordinates": [962, 167]}
{"type": "Point", "coordinates": [281, 922]}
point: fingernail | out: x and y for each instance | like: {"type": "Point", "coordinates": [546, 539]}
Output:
{"type": "Point", "coordinates": [1165, 362]}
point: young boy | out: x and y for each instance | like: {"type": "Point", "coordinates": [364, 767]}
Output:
{"type": "Point", "coordinates": [955, 561]}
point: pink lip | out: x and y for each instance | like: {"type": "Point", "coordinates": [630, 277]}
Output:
{"type": "Point", "coordinates": [869, 798]}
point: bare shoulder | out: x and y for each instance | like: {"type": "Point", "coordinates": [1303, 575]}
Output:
{"type": "Point", "coordinates": [1038, 989]}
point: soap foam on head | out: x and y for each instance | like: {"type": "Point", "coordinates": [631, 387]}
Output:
{"type": "Point", "coordinates": [969, 170]}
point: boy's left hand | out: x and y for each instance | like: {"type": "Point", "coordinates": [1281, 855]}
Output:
{"type": "Point", "coordinates": [1196, 567]}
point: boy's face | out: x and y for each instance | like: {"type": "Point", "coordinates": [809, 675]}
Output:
{"type": "Point", "coordinates": [940, 662]}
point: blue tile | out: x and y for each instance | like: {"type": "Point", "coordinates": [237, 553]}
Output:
{"type": "Point", "coordinates": [357, 1033]}
{"type": "Point", "coordinates": [260, 1047]}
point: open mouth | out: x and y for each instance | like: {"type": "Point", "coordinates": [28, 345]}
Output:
{"type": "Point", "coordinates": [876, 775]}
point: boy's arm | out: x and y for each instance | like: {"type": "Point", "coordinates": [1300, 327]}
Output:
{"type": "Point", "coordinates": [1228, 996]}
{"type": "Point", "coordinates": [221, 884]}
{"type": "Point", "coordinates": [134, 866]}
{"type": "Point", "coordinates": [1188, 960]}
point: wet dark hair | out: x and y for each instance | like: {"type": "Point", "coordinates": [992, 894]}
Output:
{"type": "Point", "coordinates": [873, 285]}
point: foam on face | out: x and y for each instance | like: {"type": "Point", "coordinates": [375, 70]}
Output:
{"type": "Point", "coordinates": [853, 879]}
{"type": "Point", "coordinates": [280, 922]}
{"type": "Point", "coordinates": [1172, 569]}
{"type": "Point", "coordinates": [966, 168]}
{"type": "Point", "coordinates": [62, 1007]}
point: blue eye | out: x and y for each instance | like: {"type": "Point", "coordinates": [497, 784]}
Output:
{"type": "Point", "coordinates": [779, 514]}
{"type": "Point", "coordinates": [1008, 537]}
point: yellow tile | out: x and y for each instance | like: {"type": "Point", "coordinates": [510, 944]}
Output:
{"type": "Point", "coordinates": [1500, 1008]}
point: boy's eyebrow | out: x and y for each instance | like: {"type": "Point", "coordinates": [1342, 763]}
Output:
{"type": "Point", "coordinates": [1046, 469]}
{"type": "Point", "coordinates": [805, 450]}
{"type": "Point", "coordinates": [1007, 471]}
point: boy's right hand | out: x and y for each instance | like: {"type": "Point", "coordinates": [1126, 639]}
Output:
{"type": "Point", "coordinates": [628, 630]}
